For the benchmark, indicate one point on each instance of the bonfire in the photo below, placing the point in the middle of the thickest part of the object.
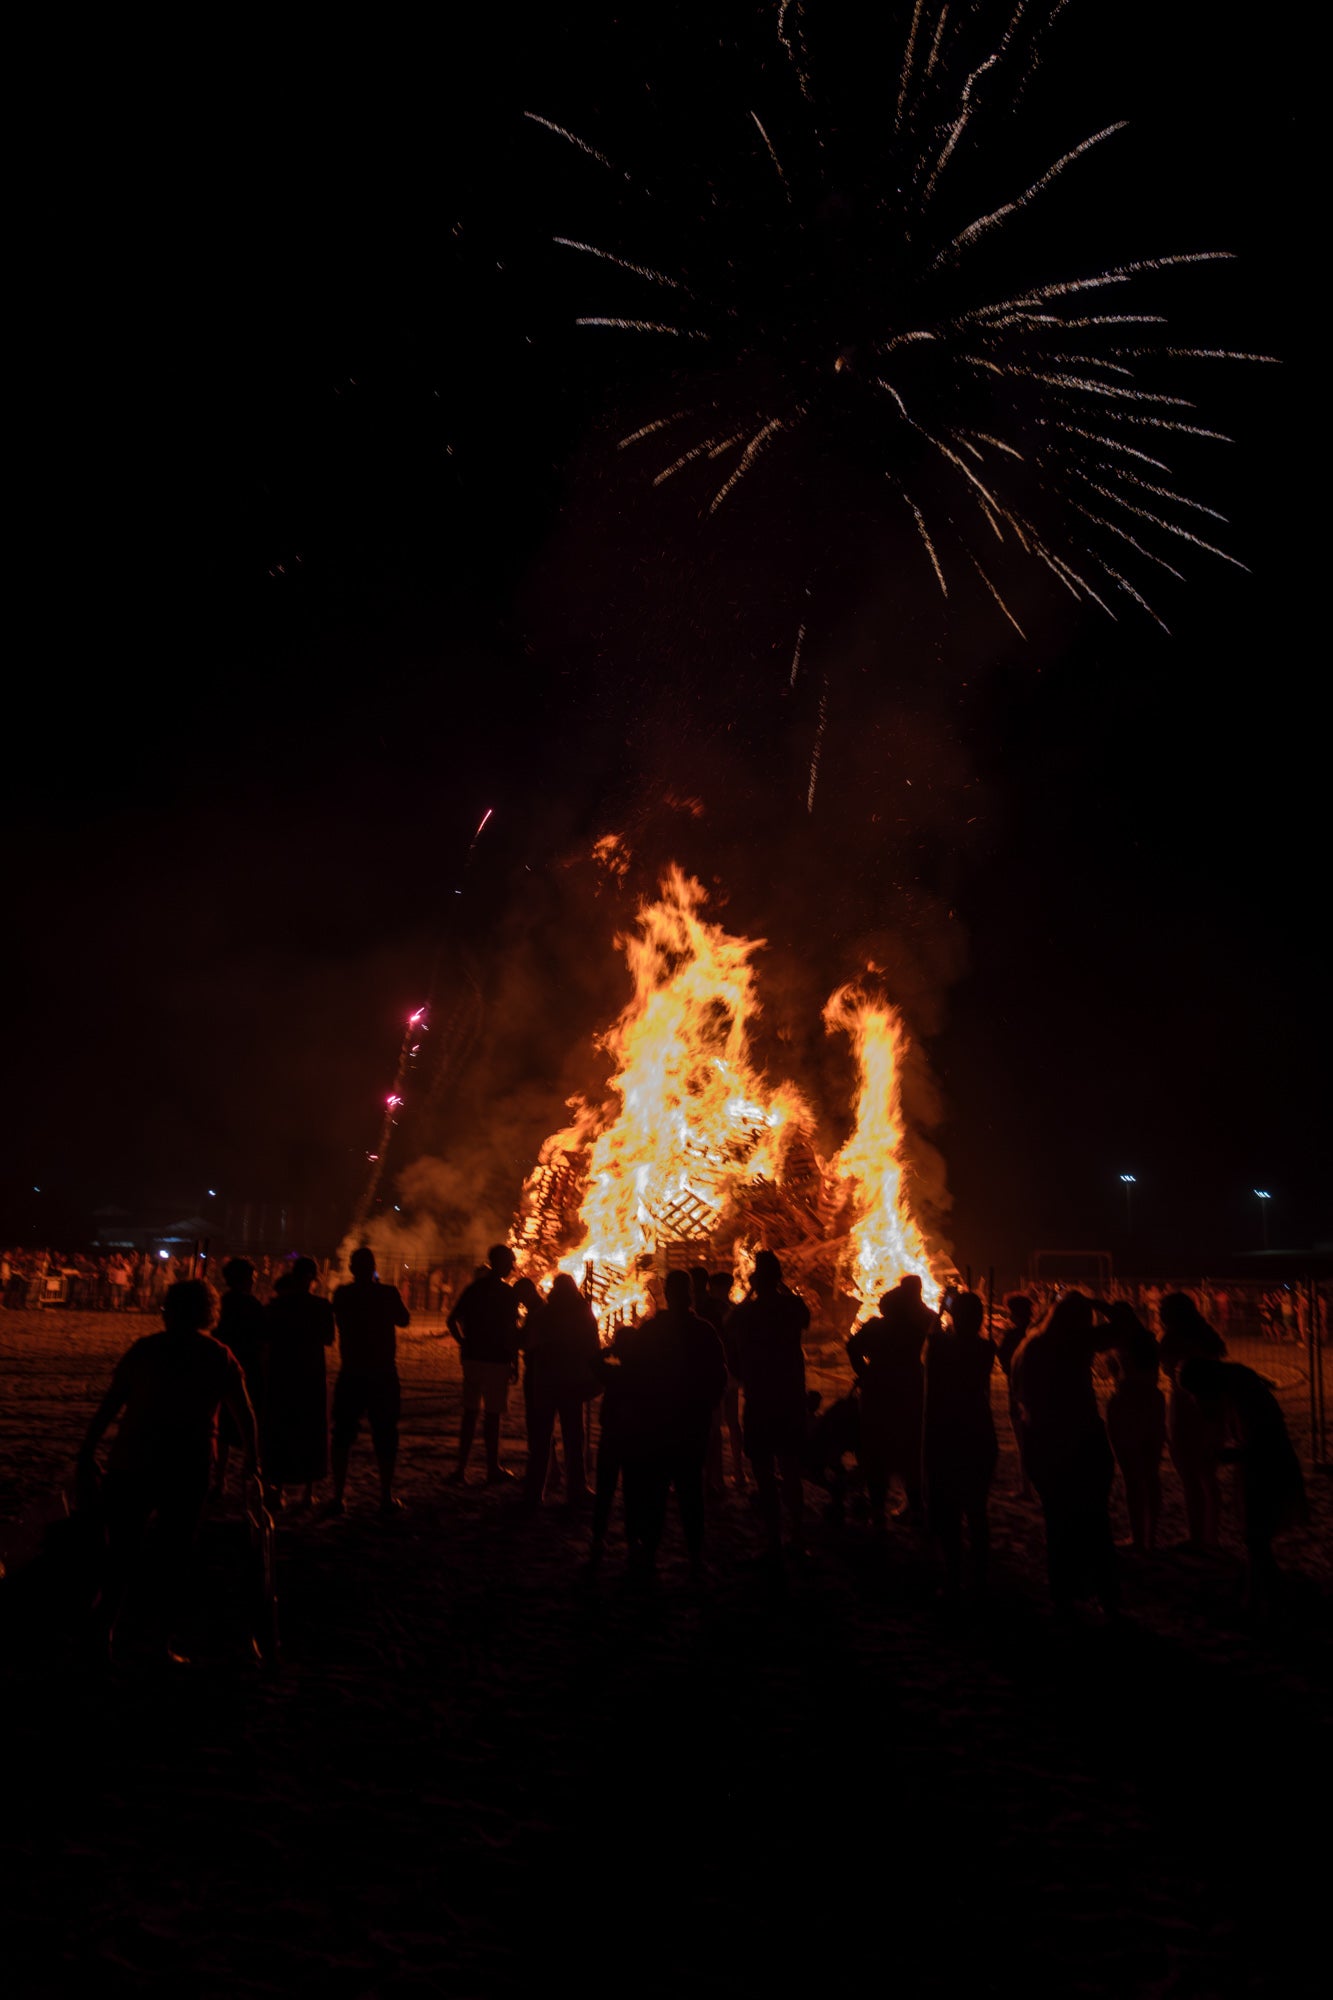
(694, 1156)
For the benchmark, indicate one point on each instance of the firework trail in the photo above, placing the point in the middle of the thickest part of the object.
(997, 407)
(417, 1026)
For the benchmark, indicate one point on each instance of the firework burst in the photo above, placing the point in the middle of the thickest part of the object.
(853, 306)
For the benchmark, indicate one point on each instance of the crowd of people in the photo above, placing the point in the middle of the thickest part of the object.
(700, 1381)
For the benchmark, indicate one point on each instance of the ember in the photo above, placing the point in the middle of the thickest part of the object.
(695, 1156)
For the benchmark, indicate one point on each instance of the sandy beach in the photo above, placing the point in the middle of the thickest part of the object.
(479, 1770)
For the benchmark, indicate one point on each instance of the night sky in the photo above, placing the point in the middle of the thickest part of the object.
(329, 550)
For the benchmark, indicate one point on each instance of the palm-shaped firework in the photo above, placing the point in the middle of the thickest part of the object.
(857, 311)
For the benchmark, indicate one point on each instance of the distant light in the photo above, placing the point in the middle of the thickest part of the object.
(212, 1192)
(36, 1190)
(1263, 1194)
(1130, 1180)
(162, 1254)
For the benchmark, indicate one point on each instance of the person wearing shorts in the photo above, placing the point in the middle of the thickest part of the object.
(484, 1322)
(368, 1315)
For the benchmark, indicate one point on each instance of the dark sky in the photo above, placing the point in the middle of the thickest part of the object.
(327, 550)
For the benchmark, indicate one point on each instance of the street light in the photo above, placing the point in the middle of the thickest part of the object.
(1263, 1197)
(1129, 1182)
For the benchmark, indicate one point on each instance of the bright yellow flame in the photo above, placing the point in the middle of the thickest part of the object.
(689, 1124)
(690, 1116)
(885, 1242)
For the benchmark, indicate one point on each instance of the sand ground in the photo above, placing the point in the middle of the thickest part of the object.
(479, 1772)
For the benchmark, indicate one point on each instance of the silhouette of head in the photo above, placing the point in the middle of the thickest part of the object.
(719, 1285)
(563, 1289)
(187, 1306)
(909, 1282)
(1185, 1331)
(500, 1258)
(699, 1280)
(361, 1263)
(678, 1290)
(1070, 1317)
(1202, 1378)
(526, 1293)
(238, 1274)
(303, 1274)
(767, 1273)
(1019, 1309)
(966, 1313)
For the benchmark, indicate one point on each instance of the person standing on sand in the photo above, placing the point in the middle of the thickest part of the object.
(368, 1315)
(298, 1327)
(887, 1359)
(1068, 1458)
(166, 1389)
(241, 1328)
(765, 1336)
(561, 1348)
(958, 1448)
(484, 1322)
(1272, 1489)
(1020, 1310)
(1194, 1436)
(674, 1375)
(1136, 1422)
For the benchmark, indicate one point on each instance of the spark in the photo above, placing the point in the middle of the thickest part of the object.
(622, 263)
(1160, 521)
(747, 459)
(641, 326)
(796, 656)
(819, 744)
(998, 599)
(905, 79)
(772, 153)
(924, 533)
(573, 139)
(709, 445)
(966, 237)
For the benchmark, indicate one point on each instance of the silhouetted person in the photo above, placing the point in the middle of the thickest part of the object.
(1136, 1421)
(958, 1448)
(764, 1334)
(241, 1328)
(1272, 1490)
(1019, 1309)
(1068, 1458)
(1194, 1436)
(484, 1322)
(674, 1372)
(368, 1315)
(886, 1356)
(561, 1348)
(298, 1327)
(609, 1374)
(168, 1387)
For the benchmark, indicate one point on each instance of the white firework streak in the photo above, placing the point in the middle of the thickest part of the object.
(573, 139)
(747, 459)
(1159, 521)
(623, 264)
(1162, 492)
(889, 390)
(996, 595)
(784, 8)
(1108, 389)
(658, 424)
(697, 451)
(906, 76)
(1123, 534)
(796, 656)
(772, 153)
(934, 55)
(1112, 444)
(819, 742)
(968, 236)
(1120, 275)
(957, 129)
(1129, 590)
(929, 545)
(642, 326)
(999, 443)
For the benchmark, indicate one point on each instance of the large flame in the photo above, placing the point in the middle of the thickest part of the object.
(885, 1242)
(690, 1146)
(690, 1117)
